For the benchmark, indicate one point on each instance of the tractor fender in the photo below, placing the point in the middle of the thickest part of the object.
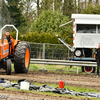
(15, 42)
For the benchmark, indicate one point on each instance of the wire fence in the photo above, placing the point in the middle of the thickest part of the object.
(50, 51)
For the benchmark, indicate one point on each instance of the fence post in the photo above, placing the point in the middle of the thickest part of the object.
(93, 50)
(77, 69)
(43, 55)
(68, 53)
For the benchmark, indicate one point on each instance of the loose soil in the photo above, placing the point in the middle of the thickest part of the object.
(80, 80)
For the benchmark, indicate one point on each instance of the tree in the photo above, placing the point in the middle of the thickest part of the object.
(97, 2)
(38, 8)
(6, 19)
(68, 8)
(92, 9)
(79, 10)
(46, 4)
(29, 13)
(15, 12)
(50, 21)
(75, 2)
(90, 1)
(57, 4)
(0, 14)
(85, 3)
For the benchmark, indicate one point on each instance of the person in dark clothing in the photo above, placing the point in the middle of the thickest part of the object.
(97, 57)
(9, 38)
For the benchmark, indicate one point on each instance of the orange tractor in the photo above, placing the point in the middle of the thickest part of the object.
(19, 54)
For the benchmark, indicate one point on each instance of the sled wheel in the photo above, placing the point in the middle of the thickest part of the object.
(78, 52)
(89, 69)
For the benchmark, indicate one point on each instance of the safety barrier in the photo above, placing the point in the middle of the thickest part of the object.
(63, 62)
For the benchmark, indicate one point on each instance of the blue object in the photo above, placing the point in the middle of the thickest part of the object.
(82, 59)
(0, 81)
(4, 59)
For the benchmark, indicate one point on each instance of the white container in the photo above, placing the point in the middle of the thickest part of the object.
(24, 86)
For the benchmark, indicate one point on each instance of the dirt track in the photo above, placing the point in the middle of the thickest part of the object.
(80, 80)
(18, 95)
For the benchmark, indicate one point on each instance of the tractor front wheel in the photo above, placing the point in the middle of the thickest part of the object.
(8, 67)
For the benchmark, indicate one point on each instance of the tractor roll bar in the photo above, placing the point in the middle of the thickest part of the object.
(10, 26)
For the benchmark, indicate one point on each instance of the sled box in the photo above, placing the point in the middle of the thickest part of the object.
(86, 30)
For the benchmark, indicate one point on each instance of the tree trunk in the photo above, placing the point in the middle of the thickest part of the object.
(53, 5)
(90, 1)
(75, 5)
(2, 8)
(82, 6)
(62, 6)
(97, 2)
(75, 2)
(85, 3)
(38, 8)
(78, 6)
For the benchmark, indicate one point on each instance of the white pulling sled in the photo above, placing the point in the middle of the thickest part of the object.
(86, 36)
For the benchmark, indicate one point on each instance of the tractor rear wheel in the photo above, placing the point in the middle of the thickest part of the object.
(9, 67)
(22, 57)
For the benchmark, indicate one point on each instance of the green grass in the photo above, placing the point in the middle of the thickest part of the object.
(44, 93)
(12, 66)
(56, 68)
(76, 89)
(33, 67)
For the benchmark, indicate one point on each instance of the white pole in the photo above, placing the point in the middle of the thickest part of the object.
(43, 55)
(53, 5)
(77, 69)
